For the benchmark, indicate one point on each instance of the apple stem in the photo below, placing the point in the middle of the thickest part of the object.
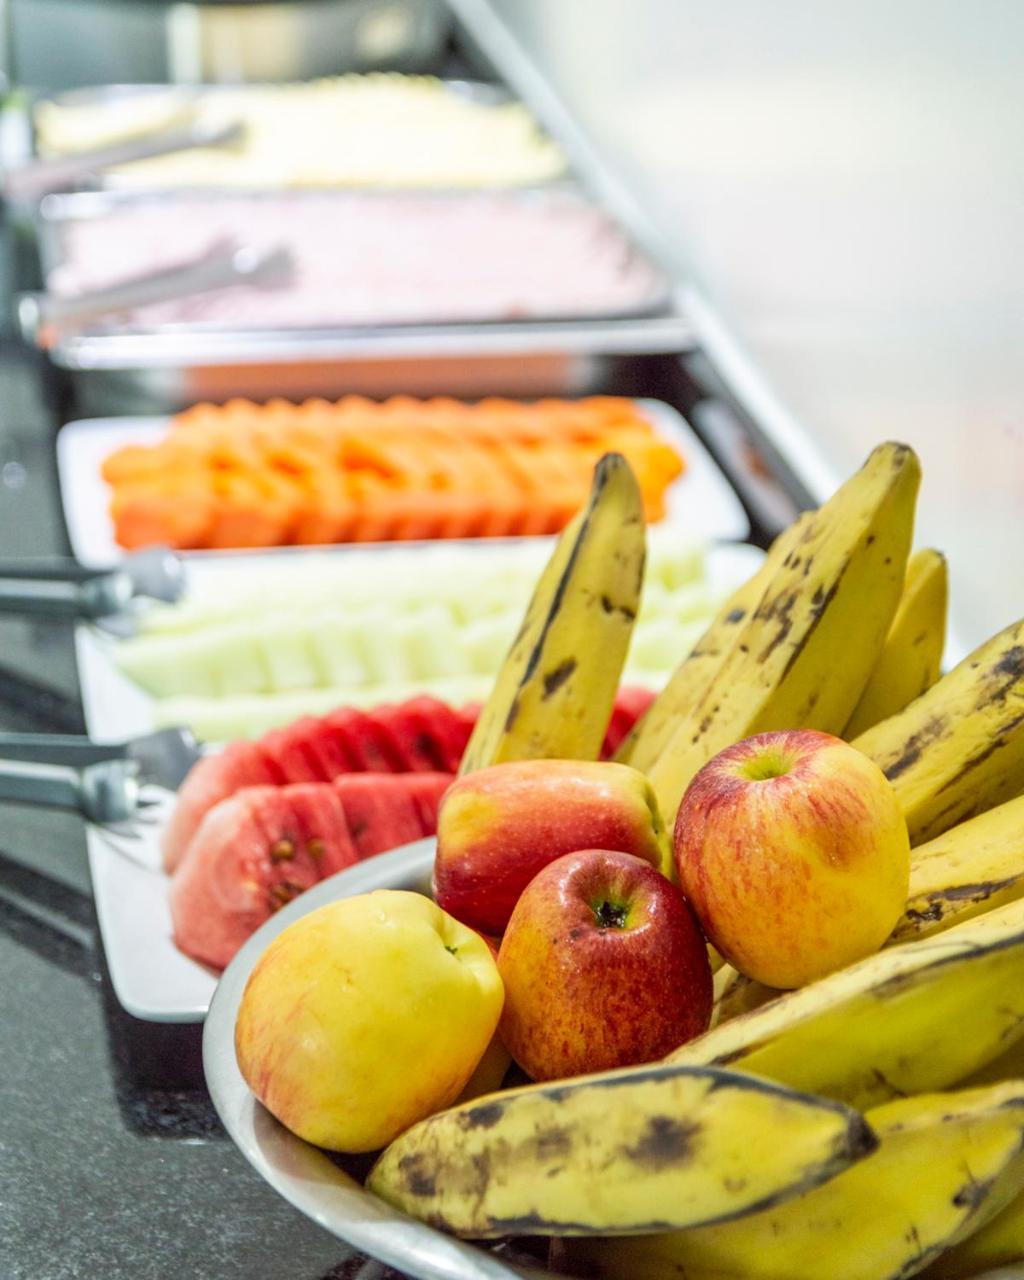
(610, 915)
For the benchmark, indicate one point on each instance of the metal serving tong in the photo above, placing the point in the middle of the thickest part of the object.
(44, 316)
(63, 588)
(111, 784)
(37, 178)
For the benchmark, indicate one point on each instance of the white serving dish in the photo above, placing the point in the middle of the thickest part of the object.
(304, 1175)
(152, 979)
(701, 500)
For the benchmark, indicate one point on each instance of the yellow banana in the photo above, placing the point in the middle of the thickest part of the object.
(959, 748)
(649, 736)
(803, 657)
(553, 695)
(911, 659)
(645, 1149)
(945, 1165)
(735, 993)
(964, 872)
(999, 1243)
(906, 1020)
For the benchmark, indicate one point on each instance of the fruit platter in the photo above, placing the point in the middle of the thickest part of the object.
(244, 475)
(744, 999)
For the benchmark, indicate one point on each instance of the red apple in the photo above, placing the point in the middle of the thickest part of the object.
(793, 851)
(604, 966)
(497, 827)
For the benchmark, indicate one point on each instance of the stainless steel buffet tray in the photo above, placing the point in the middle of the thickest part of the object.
(168, 367)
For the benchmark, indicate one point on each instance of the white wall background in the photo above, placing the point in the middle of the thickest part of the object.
(847, 181)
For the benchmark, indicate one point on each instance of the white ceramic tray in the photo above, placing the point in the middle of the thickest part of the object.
(304, 1175)
(153, 980)
(701, 499)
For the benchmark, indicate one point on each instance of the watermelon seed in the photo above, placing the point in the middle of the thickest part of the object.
(315, 848)
(283, 851)
(281, 894)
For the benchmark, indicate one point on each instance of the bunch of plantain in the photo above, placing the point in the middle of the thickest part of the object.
(974, 867)
(999, 1242)
(945, 1165)
(554, 693)
(652, 732)
(804, 655)
(911, 659)
(957, 750)
(909, 1019)
(637, 1150)
(745, 1153)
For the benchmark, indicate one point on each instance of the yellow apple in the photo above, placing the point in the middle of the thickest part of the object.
(365, 1016)
(792, 849)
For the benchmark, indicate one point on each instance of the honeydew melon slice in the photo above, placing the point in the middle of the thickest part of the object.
(336, 651)
(285, 648)
(674, 558)
(431, 643)
(211, 663)
(487, 640)
(381, 655)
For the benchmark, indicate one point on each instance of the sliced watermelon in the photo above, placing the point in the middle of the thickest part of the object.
(251, 854)
(403, 726)
(630, 705)
(290, 749)
(426, 790)
(210, 780)
(412, 724)
(369, 750)
(447, 730)
(329, 747)
(381, 811)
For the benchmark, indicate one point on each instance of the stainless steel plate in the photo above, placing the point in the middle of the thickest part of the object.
(304, 1175)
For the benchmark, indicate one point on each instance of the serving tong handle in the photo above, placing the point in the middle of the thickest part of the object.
(99, 596)
(37, 178)
(107, 792)
(63, 588)
(59, 748)
(43, 315)
(163, 757)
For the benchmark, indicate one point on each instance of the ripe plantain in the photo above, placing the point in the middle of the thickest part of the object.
(971, 869)
(643, 1149)
(909, 1019)
(652, 732)
(911, 659)
(735, 993)
(958, 750)
(803, 657)
(998, 1243)
(553, 695)
(945, 1165)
